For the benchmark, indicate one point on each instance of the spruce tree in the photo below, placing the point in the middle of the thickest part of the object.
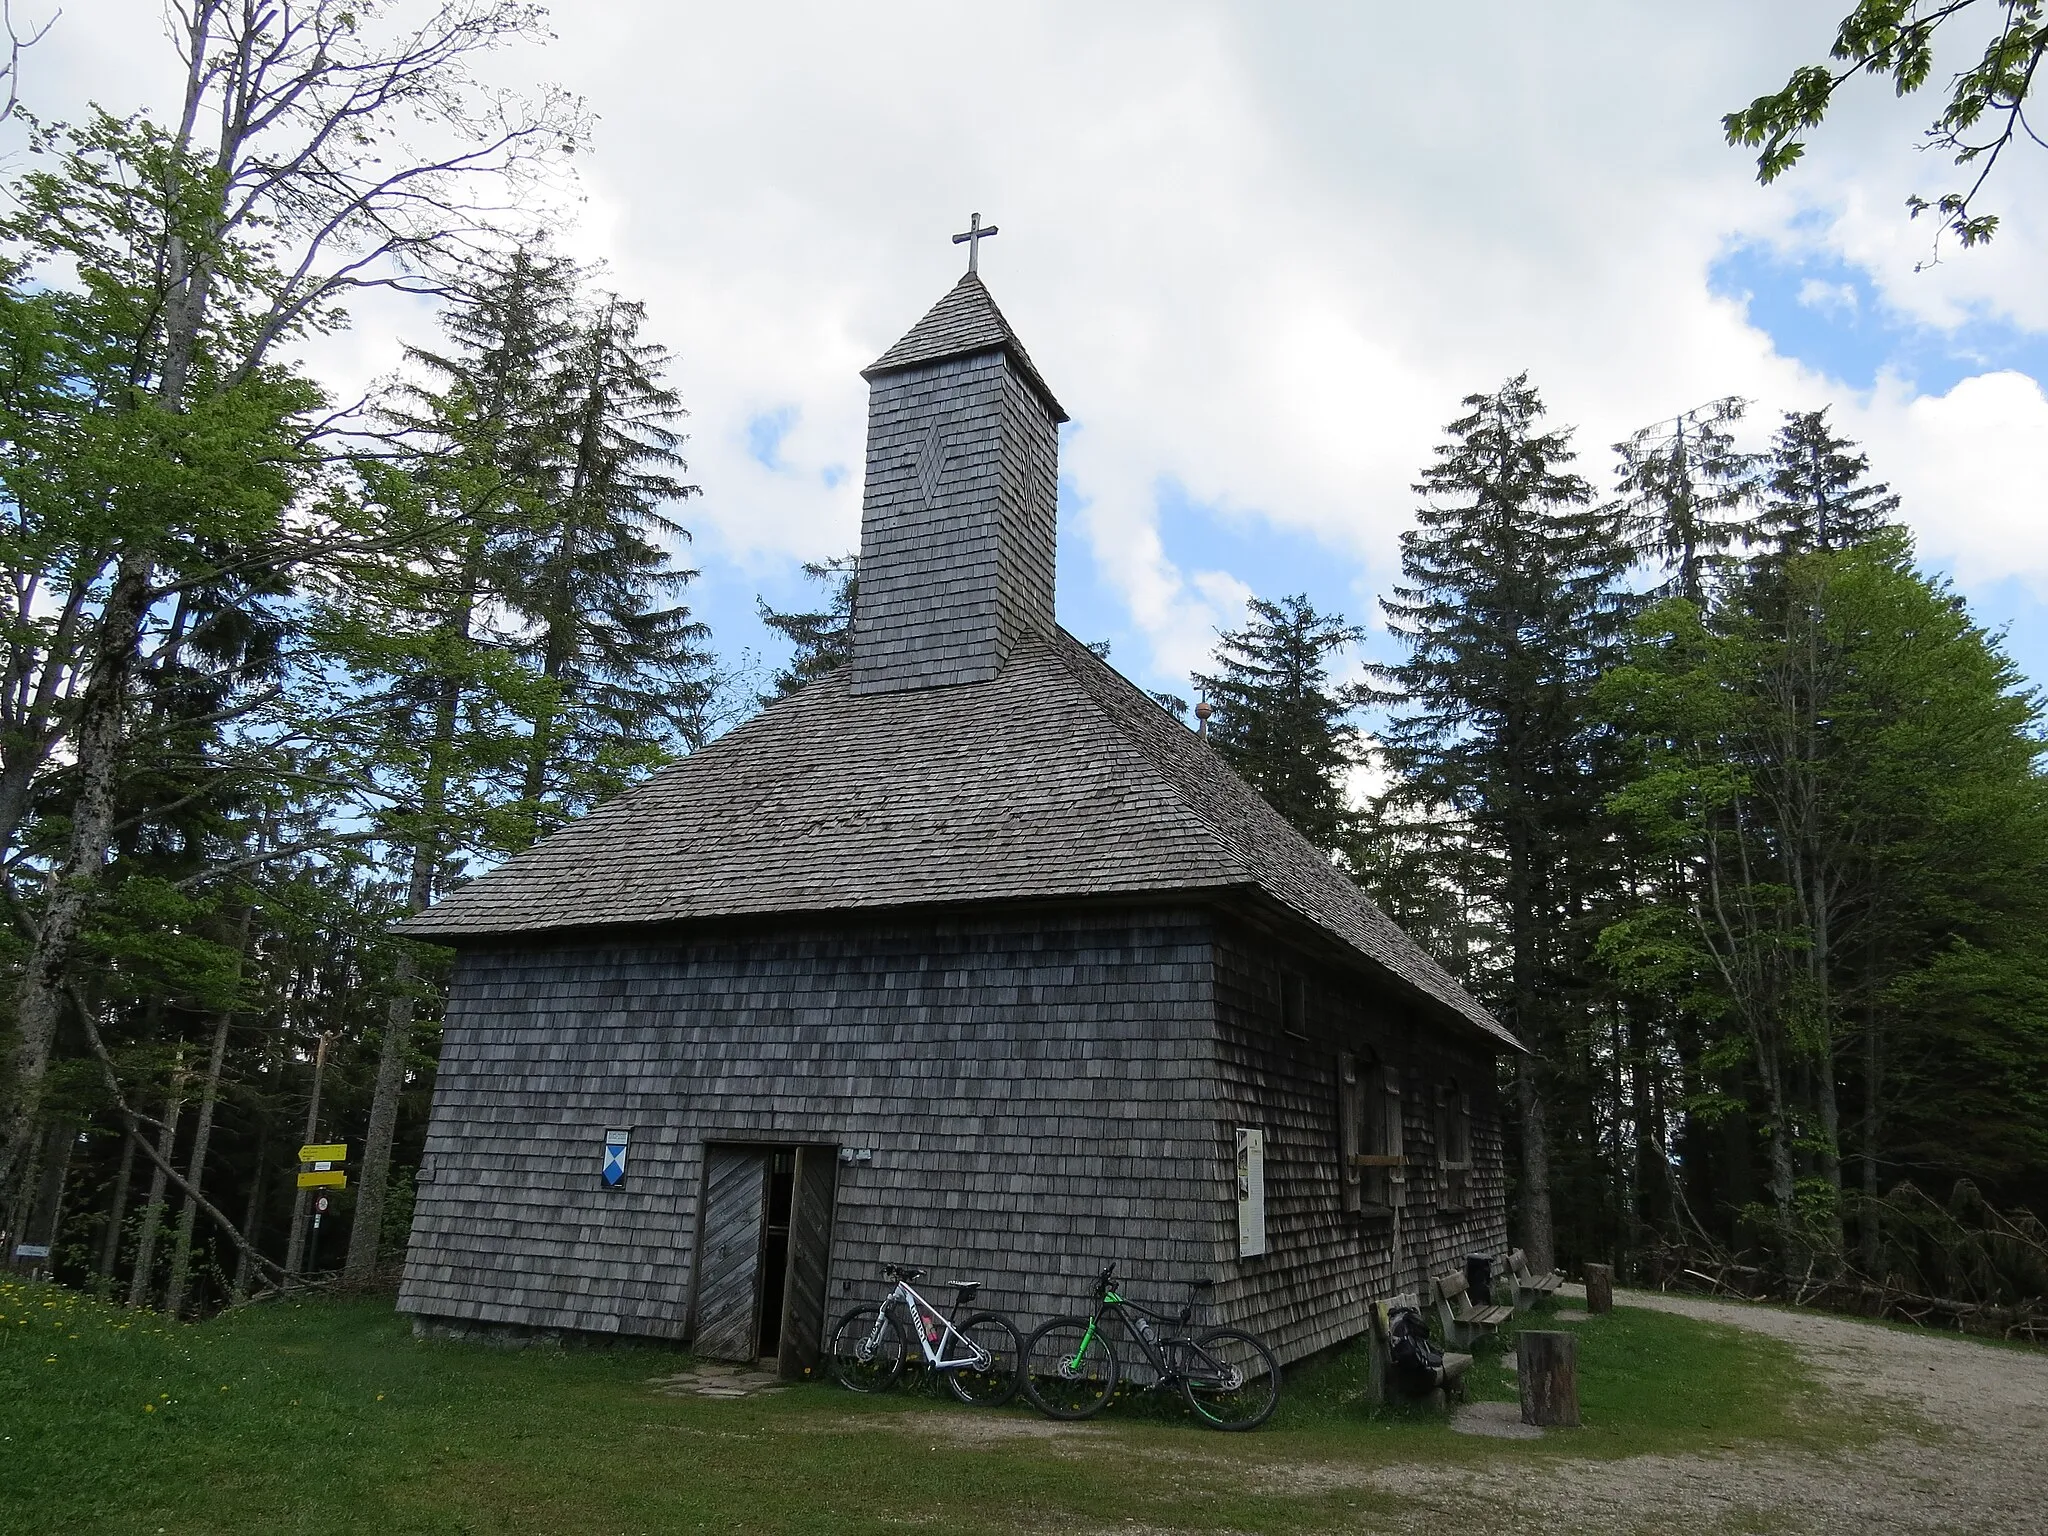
(623, 673)
(1816, 498)
(823, 637)
(1681, 483)
(1510, 606)
(1279, 720)
(426, 631)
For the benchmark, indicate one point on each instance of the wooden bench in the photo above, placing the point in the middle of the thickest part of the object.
(1381, 1383)
(1530, 1289)
(1462, 1321)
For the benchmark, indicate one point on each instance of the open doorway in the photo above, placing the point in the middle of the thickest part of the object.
(764, 1246)
(775, 1253)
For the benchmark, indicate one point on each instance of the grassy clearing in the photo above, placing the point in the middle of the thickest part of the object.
(327, 1416)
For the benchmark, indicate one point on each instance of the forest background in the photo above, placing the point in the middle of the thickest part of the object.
(1731, 810)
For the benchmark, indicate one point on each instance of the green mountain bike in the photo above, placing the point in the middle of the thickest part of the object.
(1229, 1378)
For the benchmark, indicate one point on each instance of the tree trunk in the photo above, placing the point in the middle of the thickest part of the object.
(245, 1267)
(1873, 1079)
(195, 1171)
(40, 999)
(1537, 1233)
(41, 1207)
(1831, 1149)
(1599, 1289)
(367, 1230)
(366, 1233)
(1547, 1369)
(139, 1284)
(295, 1249)
(117, 1212)
(1784, 1175)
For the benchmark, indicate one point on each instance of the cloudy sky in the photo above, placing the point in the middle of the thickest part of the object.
(1259, 252)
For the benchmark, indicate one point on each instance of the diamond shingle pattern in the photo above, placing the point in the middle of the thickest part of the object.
(964, 322)
(1057, 778)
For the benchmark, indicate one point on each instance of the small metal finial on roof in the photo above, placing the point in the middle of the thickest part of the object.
(1203, 711)
(972, 240)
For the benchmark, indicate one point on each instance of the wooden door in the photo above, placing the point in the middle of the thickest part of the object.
(810, 1258)
(729, 1253)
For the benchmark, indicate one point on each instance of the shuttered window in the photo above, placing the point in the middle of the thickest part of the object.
(1454, 1143)
(1369, 1125)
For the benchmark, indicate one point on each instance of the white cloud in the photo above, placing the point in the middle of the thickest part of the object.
(1828, 298)
(1968, 465)
(1259, 252)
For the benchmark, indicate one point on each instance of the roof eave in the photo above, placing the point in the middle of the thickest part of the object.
(1016, 354)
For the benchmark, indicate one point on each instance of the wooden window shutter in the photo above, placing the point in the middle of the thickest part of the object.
(1395, 1141)
(1350, 1130)
(1454, 1143)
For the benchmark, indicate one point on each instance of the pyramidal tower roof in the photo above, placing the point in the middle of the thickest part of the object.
(965, 323)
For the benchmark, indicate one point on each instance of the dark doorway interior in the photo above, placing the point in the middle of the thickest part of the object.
(764, 1247)
(775, 1251)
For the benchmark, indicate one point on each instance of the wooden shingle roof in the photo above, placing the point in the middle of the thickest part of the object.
(964, 323)
(1058, 778)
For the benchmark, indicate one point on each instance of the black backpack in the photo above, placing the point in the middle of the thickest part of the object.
(1416, 1361)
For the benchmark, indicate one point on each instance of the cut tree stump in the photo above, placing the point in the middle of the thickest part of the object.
(1599, 1288)
(1548, 1367)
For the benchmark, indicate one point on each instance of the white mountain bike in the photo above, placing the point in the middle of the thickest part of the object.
(978, 1355)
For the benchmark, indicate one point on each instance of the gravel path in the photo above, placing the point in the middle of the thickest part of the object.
(1965, 1449)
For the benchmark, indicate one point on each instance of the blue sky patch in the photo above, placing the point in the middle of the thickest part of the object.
(1824, 312)
(765, 433)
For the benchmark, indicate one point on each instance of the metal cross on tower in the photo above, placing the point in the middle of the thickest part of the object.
(972, 240)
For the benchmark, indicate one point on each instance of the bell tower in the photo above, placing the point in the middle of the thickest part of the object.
(958, 521)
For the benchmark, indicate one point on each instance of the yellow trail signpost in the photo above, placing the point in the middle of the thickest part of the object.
(319, 1171)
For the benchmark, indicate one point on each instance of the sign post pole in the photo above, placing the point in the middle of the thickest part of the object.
(320, 1168)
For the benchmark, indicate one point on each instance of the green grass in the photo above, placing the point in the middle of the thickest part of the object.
(326, 1415)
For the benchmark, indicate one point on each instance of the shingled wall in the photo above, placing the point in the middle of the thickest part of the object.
(1324, 1264)
(1038, 1091)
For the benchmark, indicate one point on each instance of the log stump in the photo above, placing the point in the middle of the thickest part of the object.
(1548, 1367)
(1599, 1288)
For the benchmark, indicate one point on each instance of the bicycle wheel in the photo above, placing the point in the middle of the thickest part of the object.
(1230, 1379)
(863, 1360)
(1061, 1377)
(997, 1383)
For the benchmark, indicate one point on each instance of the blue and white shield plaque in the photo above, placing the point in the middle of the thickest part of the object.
(615, 1158)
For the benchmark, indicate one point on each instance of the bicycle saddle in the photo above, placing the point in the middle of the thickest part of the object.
(964, 1287)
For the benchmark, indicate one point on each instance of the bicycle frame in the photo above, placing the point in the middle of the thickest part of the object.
(923, 1315)
(1162, 1354)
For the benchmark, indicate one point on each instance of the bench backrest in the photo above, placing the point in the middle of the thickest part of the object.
(1518, 1261)
(1451, 1287)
